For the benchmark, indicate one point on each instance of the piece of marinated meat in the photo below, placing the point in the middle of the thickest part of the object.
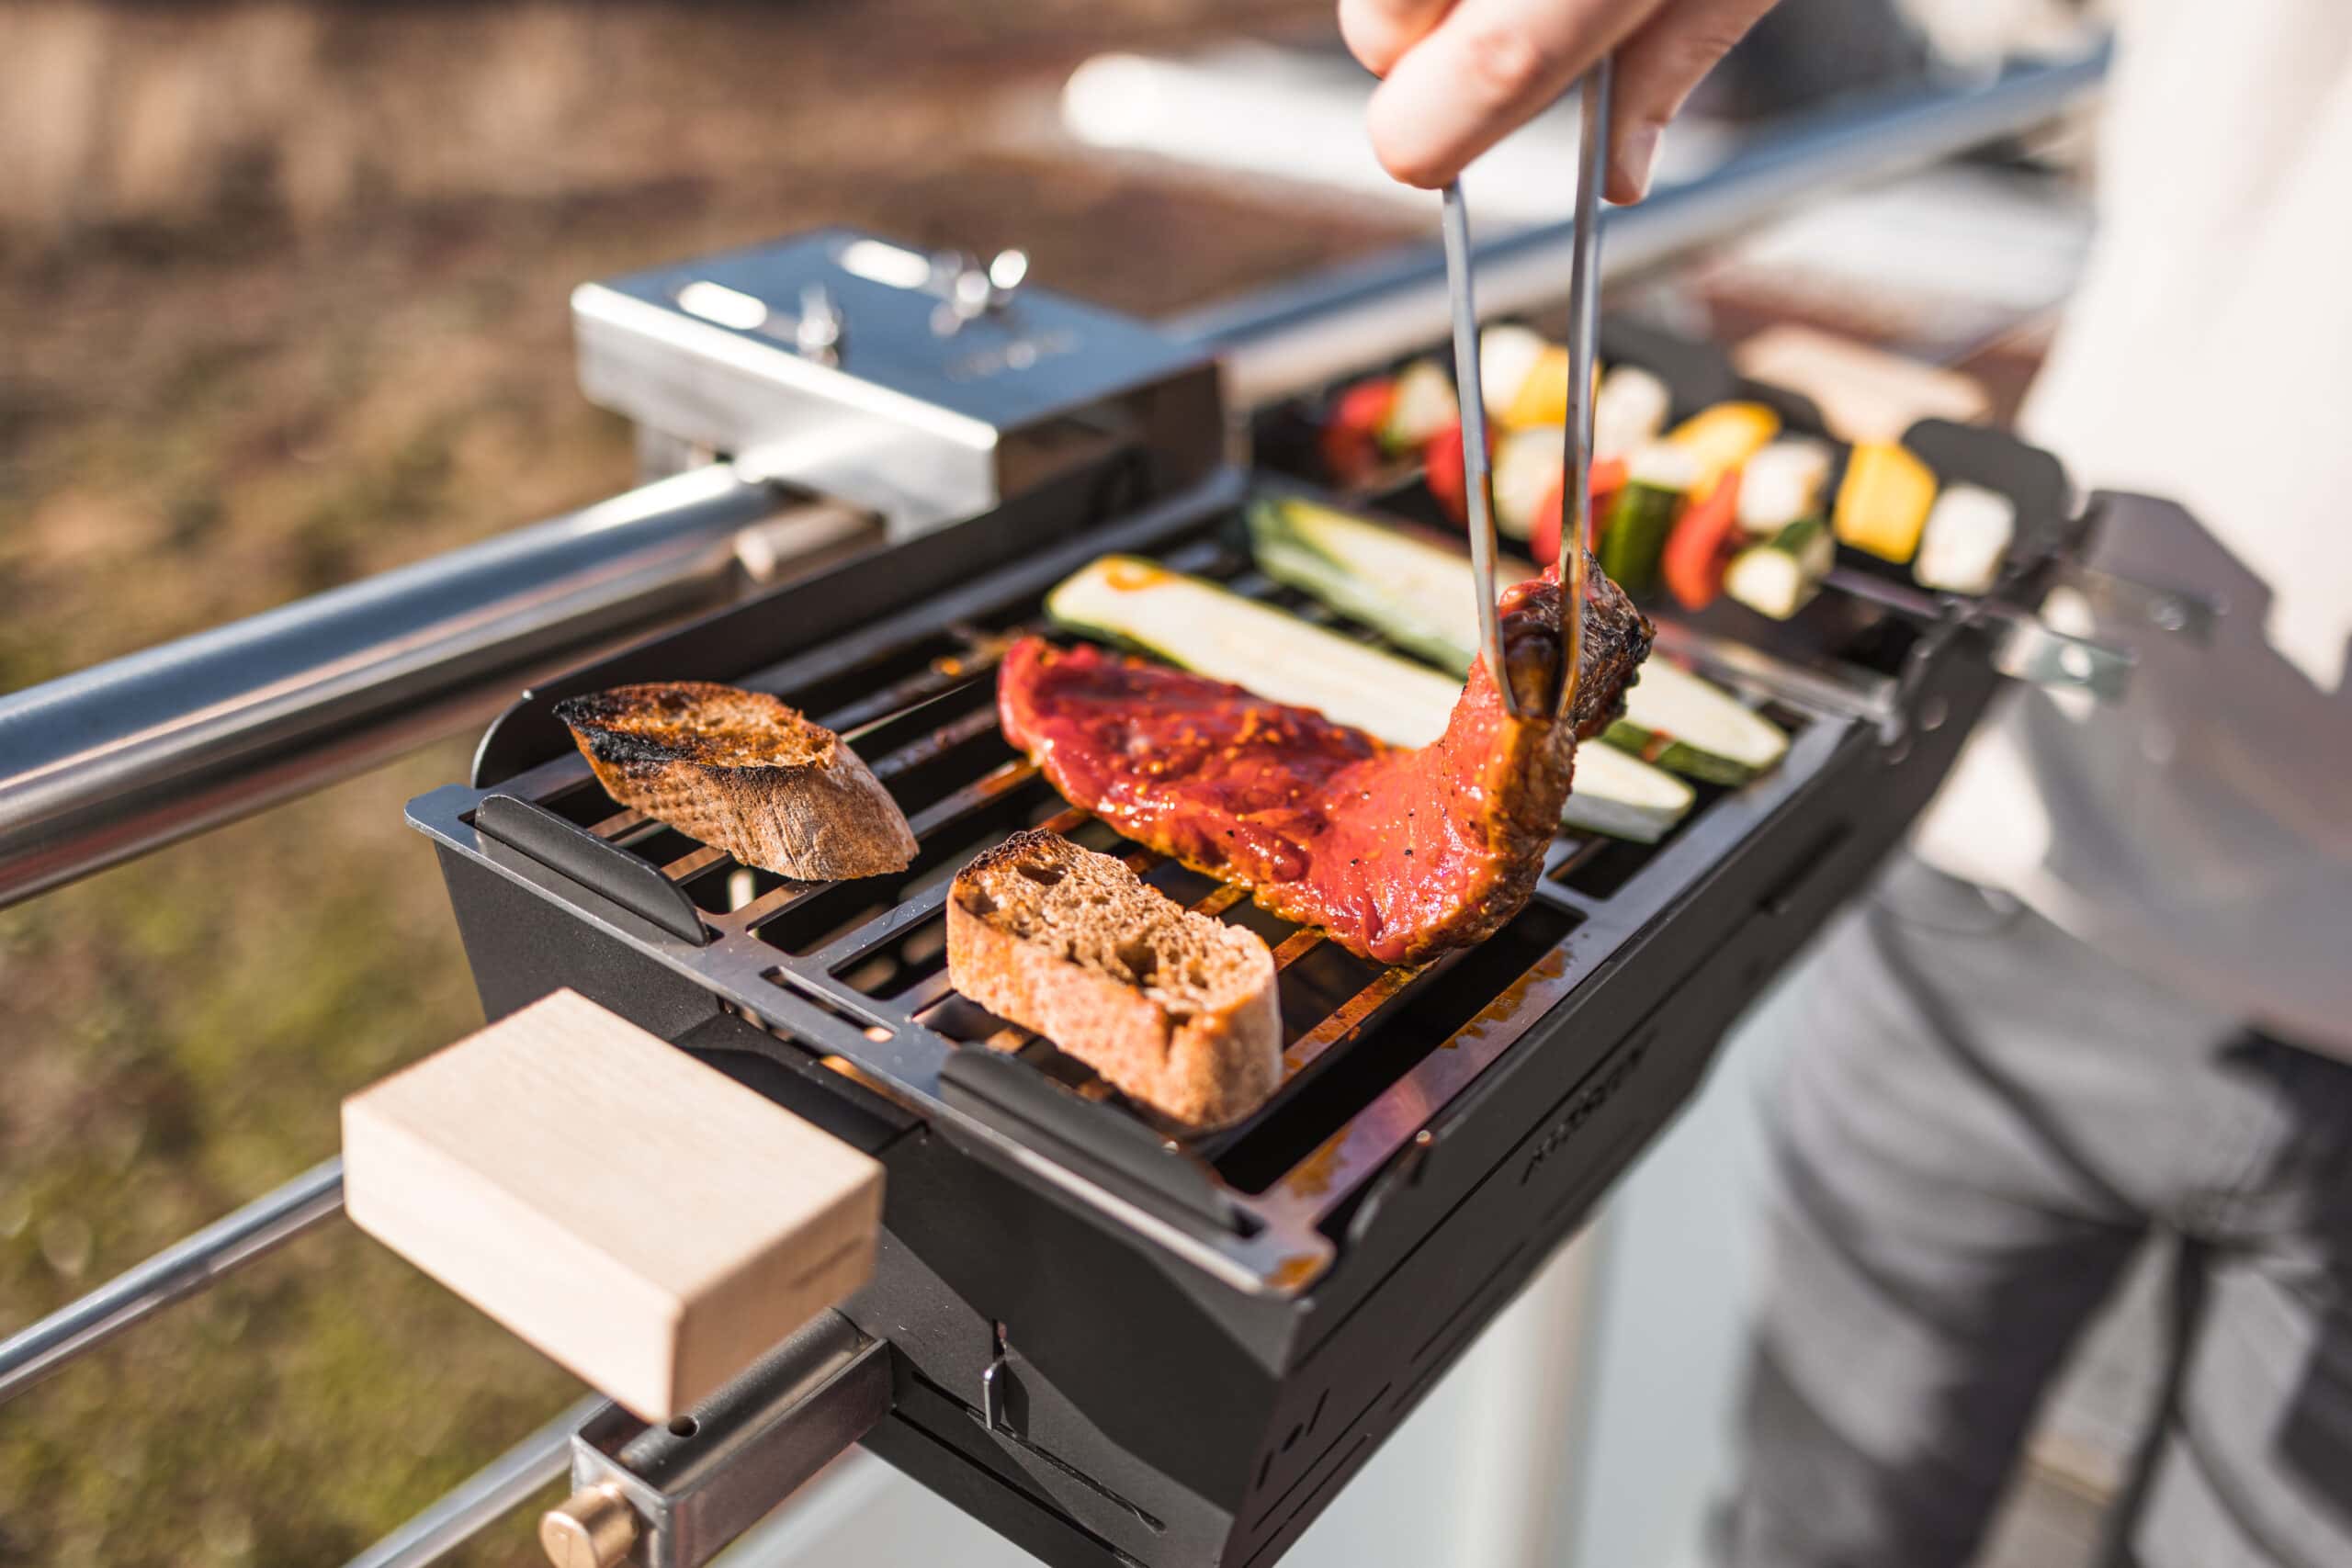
(1397, 854)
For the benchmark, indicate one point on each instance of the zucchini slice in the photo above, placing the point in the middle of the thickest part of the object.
(1780, 577)
(1691, 727)
(1204, 627)
(1412, 591)
(1618, 794)
(1418, 596)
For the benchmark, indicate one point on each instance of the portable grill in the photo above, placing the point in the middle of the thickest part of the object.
(1108, 1341)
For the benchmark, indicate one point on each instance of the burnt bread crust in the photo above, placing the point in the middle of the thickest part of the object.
(694, 721)
(745, 772)
(1176, 1010)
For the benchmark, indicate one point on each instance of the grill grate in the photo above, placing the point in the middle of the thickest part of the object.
(857, 969)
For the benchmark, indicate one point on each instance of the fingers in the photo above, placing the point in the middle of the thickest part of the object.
(1378, 32)
(1656, 68)
(1486, 69)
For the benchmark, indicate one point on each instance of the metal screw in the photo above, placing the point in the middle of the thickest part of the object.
(593, 1528)
(818, 333)
(1005, 275)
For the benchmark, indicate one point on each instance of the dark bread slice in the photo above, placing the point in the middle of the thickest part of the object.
(741, 770)
(1175, 1009)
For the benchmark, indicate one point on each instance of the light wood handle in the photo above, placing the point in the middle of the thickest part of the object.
(636, 1216)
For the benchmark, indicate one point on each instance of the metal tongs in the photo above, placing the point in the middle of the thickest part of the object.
(1584, 315)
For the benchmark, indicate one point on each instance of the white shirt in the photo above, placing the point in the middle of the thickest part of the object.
(2203, 829)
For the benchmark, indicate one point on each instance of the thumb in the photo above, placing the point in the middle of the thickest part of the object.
(1656, 68)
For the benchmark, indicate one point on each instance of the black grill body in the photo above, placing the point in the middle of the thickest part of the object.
(1109, 1346)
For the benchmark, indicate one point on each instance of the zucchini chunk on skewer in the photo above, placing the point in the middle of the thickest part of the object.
(1780, 577)
(1658, 479)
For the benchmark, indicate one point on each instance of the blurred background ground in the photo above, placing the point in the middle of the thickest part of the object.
(282, 301)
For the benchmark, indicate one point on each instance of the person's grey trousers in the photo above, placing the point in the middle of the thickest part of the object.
(1983, 1124)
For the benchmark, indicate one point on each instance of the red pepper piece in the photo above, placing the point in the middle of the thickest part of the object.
(1351, 437)
(1700, 547)
(1441, 467)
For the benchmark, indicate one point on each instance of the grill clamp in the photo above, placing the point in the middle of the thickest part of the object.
(925, 389)
(675, 1495)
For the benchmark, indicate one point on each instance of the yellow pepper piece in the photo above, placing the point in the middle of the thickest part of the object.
(1884, 501)
(1543, 396)
(1725, 436)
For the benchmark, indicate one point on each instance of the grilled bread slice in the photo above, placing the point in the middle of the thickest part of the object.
(741, 770)
(1173, 1009)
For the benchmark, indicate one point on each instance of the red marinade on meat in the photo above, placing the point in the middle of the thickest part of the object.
(1397, 854)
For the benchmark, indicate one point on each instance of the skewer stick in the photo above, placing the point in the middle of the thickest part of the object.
(1584, 319)
(1454, 224)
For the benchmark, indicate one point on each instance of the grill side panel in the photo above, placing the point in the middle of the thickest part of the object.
(521, 947)
(1135, 1391)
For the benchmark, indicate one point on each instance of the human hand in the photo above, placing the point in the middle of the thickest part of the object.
(1460, 74)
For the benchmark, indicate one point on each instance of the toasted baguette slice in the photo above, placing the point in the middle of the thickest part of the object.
(741, 770)
(1175, 1009)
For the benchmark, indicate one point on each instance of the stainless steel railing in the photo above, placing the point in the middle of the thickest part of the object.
(131, 755)
(105, 765)
(179, 1271)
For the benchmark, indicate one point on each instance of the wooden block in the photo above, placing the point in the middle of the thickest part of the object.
(1864, 393)
(640, 1218)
